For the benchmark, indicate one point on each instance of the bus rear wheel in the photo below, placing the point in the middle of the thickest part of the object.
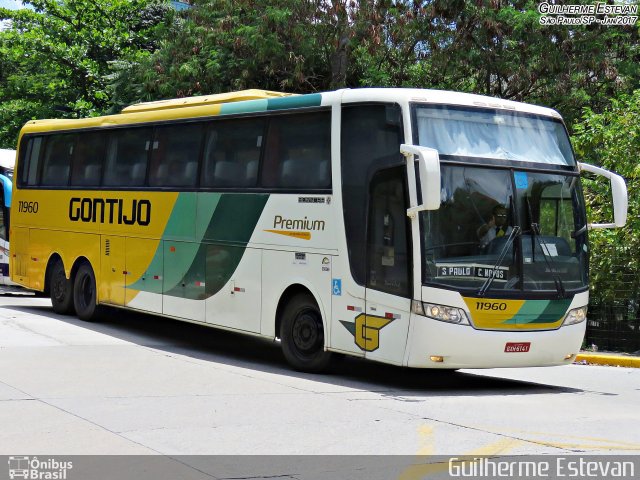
(84, 293)
(60, 289)
(302, 335)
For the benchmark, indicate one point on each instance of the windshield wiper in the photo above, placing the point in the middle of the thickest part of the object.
(535, 234)
(487, 283)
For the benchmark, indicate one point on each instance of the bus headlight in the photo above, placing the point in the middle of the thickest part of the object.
(576, 315)
(440, 312)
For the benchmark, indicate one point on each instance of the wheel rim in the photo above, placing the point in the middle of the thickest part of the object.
(85, 291)
(59, 286)
(307, 332)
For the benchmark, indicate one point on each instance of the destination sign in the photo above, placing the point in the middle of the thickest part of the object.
(472, 271)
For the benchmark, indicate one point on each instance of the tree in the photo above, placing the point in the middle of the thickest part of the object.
(611, 139)
(223, 45)
(56, 57)
(492, 47)
(499, 48)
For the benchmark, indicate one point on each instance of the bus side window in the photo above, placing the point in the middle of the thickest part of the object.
(174, 160)
(127, 155)
(298, 154)
(57, 159)
(87, 159)
(30, 162)
(232, 153)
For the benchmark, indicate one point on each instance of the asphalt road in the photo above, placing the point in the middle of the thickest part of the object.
(138, 384)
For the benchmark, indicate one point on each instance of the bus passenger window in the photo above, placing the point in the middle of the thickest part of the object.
(29, 166)
(57, 159)
(127, 154)
(87, 160)
(174, 161)
(232, 153)
(298, 154)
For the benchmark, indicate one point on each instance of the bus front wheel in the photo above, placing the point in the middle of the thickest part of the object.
(60, 289)
(302, 335)
(84, 293)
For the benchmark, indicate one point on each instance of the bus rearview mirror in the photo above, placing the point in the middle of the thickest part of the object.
(618, 191)
(429, 175)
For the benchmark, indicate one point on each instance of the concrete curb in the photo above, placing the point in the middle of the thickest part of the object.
(612, 360)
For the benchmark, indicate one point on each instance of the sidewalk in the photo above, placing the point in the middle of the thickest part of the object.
(608, 358)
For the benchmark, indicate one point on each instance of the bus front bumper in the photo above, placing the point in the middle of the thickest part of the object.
(435, 344)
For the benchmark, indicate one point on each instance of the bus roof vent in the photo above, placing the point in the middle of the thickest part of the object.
(204, 100)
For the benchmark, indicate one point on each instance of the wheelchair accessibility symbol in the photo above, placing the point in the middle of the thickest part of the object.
(336, 287)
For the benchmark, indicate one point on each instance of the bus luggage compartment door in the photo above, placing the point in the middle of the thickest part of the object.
(184, 280)
(144, 281)
(19, 251)
(112, 270)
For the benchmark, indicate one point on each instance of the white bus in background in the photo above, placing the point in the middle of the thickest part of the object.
(7, 163)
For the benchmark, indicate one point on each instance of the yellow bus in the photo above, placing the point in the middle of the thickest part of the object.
(412, 227)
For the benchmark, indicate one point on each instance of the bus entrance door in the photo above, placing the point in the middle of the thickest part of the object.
(386, 323)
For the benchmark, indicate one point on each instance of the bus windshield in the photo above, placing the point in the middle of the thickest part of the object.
(495, 134)
(526, 230)
(498, 227)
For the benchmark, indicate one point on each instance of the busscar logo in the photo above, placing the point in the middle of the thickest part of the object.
(110, 210)
(300, 228)
(37, 469)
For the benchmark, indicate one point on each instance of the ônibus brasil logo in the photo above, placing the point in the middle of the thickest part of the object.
(37, 469)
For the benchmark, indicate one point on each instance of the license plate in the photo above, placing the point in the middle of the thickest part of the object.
(513, 347)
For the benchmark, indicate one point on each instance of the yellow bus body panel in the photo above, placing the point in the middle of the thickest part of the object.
(52, 226)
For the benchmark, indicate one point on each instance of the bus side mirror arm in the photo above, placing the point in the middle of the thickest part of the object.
(619, 193)
(429, 176)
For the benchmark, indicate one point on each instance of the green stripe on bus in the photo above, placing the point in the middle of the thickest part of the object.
(223, 245)
(235, 218)
(247, 106)
(179, 231)
(300, 101)
(554, 311)
(540, 311)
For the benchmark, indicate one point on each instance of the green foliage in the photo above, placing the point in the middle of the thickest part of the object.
(55, 59)
(499, 48)
(611, 139)
(492, 47)
(226, 45)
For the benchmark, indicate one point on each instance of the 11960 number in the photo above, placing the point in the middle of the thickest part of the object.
(496, 306)
(28, 207)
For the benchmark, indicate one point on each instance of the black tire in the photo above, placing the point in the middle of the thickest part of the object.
(84, 293)
(302, 335)
(60, 289)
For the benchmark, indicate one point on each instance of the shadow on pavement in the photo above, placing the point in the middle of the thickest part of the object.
(245, 351)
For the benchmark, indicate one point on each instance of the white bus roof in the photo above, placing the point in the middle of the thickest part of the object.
(248, 101)
(7, 158)
(442, 97)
